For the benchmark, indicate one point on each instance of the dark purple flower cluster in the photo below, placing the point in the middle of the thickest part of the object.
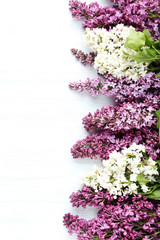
(127, 218)
(88, 197)
(139, 14)
(121, 90)
(123, 117)
(103, 143)
(85, 58)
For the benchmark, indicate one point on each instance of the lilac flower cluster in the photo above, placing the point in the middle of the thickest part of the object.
(135, 218)
(86, 59)
(103, 143)
(139, 14)
(123, 117)
(88, 197)
(121, 90)
(93, 86)
(132, 120)
(128, 90)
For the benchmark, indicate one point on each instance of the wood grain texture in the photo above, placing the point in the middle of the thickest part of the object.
(40, 118)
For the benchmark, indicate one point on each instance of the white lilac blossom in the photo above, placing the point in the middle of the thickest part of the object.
(109, 46)
(124, 173)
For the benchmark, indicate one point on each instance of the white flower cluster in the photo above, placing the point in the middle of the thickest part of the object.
(110, 58)
(121, 172)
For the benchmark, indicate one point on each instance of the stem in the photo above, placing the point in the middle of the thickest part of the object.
(155, 233)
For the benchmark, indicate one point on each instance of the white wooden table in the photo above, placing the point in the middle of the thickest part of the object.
(40, 118)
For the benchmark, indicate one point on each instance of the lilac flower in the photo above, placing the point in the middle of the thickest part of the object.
(133, 218)
(109, 46)
(88, 196)
(92, 86)
(127, 90)
(82, 10)
(122, 89)
(136, 13)
(116, 127)
(123, 117)
(86, 59)
(103, 143)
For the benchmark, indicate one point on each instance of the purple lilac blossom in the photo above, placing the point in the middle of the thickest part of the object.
(88, 197)
(93, 86)
(123, 117)
(103, 143)
(133, 120)
(136, 218)
(85, 58)
(121, 89)
(135, 13)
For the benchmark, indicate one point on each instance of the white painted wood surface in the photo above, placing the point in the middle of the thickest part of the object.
(40, 118)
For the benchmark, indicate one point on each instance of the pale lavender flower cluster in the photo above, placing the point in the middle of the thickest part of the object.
(123, 117)
(127, 218)
(121, 89)
(85, 58)
(139, 14)
(127, 90)
(103, 143)
(93, 86)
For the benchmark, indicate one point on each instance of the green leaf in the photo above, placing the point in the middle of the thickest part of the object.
(148, 35)
(156, 46)
(142, 180)
(135, 40)
(152, 189)
(158, 162)
(146, 55)
(150, 54)
(158, 121)
(158, 118)
(140, 57)
(158, 75)
(158, 41)
(149, 41)
(157, 50)
(154, 195)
